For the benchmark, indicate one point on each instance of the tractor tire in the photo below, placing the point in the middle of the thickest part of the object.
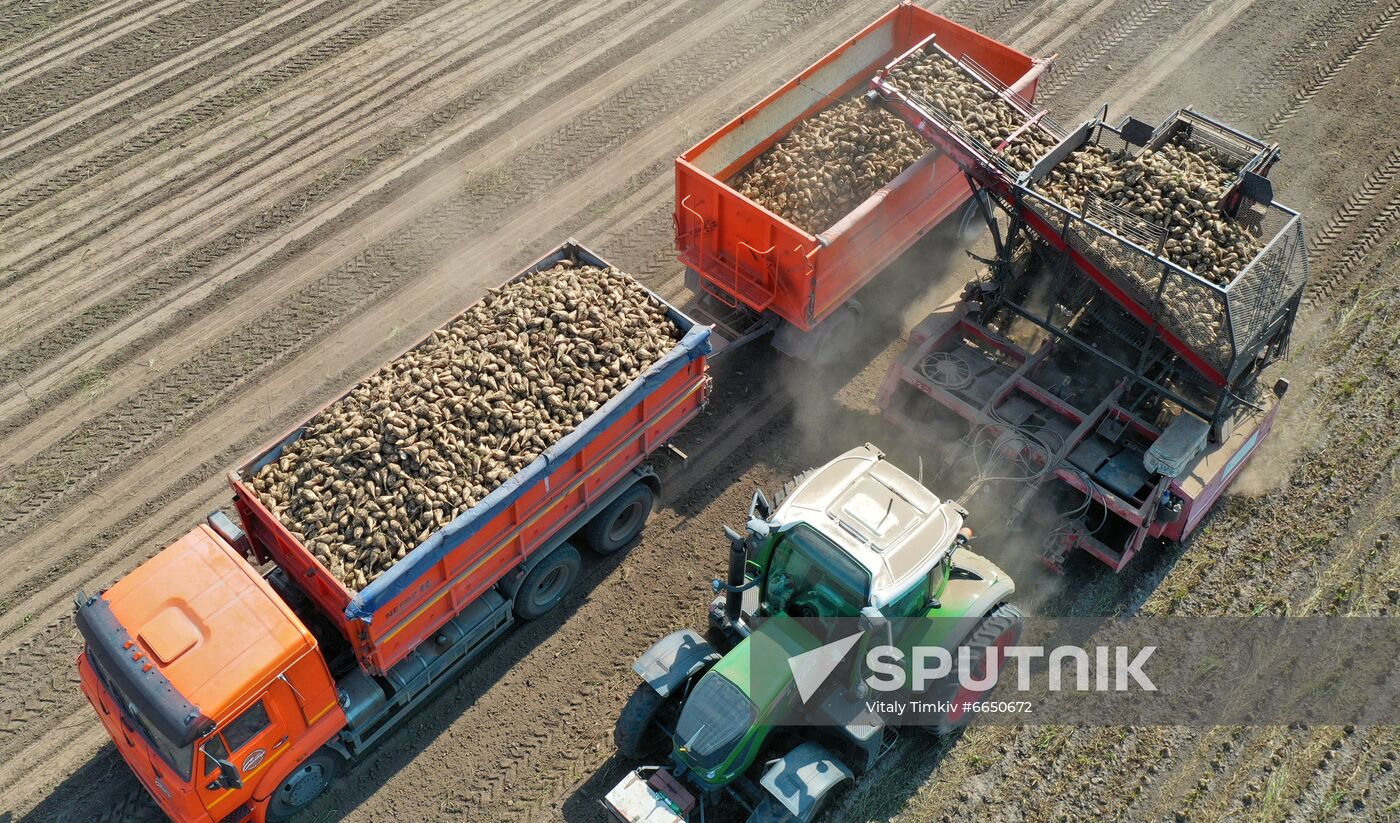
(308, 781)
(637, 733)
(1000, 627)
(770, 810)
(615, 527)
(789, 487)
(547, 583)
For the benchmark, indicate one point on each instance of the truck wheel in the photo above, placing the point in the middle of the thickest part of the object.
(616, 526)
(306, 783)
(548, 582)
(836, 336)
(637, 734)
(1001, 627)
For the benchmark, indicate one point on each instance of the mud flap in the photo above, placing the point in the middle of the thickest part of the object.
(673, 659)
(804, 776)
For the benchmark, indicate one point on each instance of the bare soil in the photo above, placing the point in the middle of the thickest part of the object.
(216, 216)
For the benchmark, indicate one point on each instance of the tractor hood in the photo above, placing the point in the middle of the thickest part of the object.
(730, 711)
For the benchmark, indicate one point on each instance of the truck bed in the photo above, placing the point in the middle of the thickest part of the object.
(469, 555)
(745, 255)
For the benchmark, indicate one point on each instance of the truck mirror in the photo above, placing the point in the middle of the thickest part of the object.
(872, 619)
(760, 508)
(228, 773)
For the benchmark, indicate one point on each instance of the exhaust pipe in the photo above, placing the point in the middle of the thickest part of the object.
(733, 593)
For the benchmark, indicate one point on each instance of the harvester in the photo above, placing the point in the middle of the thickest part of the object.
(1125, 386)
(857, 539)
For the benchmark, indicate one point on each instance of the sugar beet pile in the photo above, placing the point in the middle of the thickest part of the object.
(434, 431)
(832, 161)
(829, 163)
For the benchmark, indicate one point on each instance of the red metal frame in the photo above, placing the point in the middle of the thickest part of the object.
(1199, 488)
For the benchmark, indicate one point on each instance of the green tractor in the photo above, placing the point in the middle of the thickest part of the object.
(855, 548)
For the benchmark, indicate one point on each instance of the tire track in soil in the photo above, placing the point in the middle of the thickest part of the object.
(66, 42)
(1289, 62)
(164, 39)
(1380, 226)
(1326, 74)
(347, 287)
(176, 400)
(65, 332)
(196, 264)
(22, 18)
(206, 470)
(200, 111)
(1077, 61)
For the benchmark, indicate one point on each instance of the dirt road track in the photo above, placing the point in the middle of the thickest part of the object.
(249, 204)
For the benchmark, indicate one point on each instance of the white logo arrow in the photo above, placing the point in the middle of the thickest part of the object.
(811, 669)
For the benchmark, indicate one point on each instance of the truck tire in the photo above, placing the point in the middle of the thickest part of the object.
(836, 337)
(301, 788)
(615, 527)
(637, 734)
(770, 810)
(1000, 627)
(547, 583)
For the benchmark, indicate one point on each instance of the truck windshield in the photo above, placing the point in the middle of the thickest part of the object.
(812, 577)
(180, 758)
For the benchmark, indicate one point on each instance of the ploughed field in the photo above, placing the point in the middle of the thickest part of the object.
(216, 217)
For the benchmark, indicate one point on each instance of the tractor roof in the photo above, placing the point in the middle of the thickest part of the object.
(885, 519)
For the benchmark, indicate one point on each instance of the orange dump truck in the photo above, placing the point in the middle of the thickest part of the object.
(235, 674)
(754, 271)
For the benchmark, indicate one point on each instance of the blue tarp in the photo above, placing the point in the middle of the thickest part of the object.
(694, 343)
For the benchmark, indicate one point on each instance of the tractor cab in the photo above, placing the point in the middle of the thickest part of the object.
(871, 530)
(203, 677)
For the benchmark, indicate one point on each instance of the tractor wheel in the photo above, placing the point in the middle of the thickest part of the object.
(306, 783)
(637, 734)
(770, 810)
(615, 527)
(1001, 627)
(548, 582)
(789, 487)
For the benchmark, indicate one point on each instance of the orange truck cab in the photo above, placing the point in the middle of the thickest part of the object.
(194, 664)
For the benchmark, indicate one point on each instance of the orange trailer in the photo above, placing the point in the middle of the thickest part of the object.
(755, 271)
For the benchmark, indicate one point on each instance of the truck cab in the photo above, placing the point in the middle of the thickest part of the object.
(211, 688)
